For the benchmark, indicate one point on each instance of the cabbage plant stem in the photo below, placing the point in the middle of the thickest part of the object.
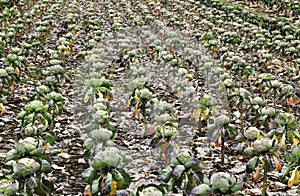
(265, 185)
(52, 119)
(222, 146)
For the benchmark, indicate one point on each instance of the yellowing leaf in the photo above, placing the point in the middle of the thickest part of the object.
(128, 102)
(179, 94)
(135, 112)
(295, 141)
(68, 52)
(197, 114)
(137, 104)
(108, 97)
(114, 185)
(100, 95)
(46, 146)
(164, 147)
(2, 109)
(280, 69)
(63, 83)
(261, 135)
(46, 36)
(282, 142)
(244, 77)
(251, 76)
(205, 114)
(294, 179)
(12, 85)
(17, 71)
(136, 60)
(87, 191)
(73, 42)
(86, 98)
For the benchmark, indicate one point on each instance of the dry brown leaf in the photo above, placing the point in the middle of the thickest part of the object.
(135, 112)
(218, 142)
(292, 101)
(108, 97)
(17, 71)
(256, 174)
(63, 83)
(278, 164)
(103, 182)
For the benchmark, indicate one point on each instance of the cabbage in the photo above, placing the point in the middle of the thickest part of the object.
(251, 133)
(26, 166)
(99, 106)
(201, 190)
(30, 130)
(88, 143)
(8, 188)
(257, 101)
(249, 151)
(101, 116)
(222, 120)
(55, 97)
(178, 171)
(3, 73)
(222, 181)
(34, 105)
(168, 131)
(144, 93)
(37, 151)
(262, 145)
(101, 134)
(111, 156)
(27, 145)
(165, 174)
(11, 155)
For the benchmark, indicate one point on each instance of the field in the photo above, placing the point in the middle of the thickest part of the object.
(149, 97)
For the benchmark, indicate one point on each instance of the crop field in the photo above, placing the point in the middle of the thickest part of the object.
(149, 97)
